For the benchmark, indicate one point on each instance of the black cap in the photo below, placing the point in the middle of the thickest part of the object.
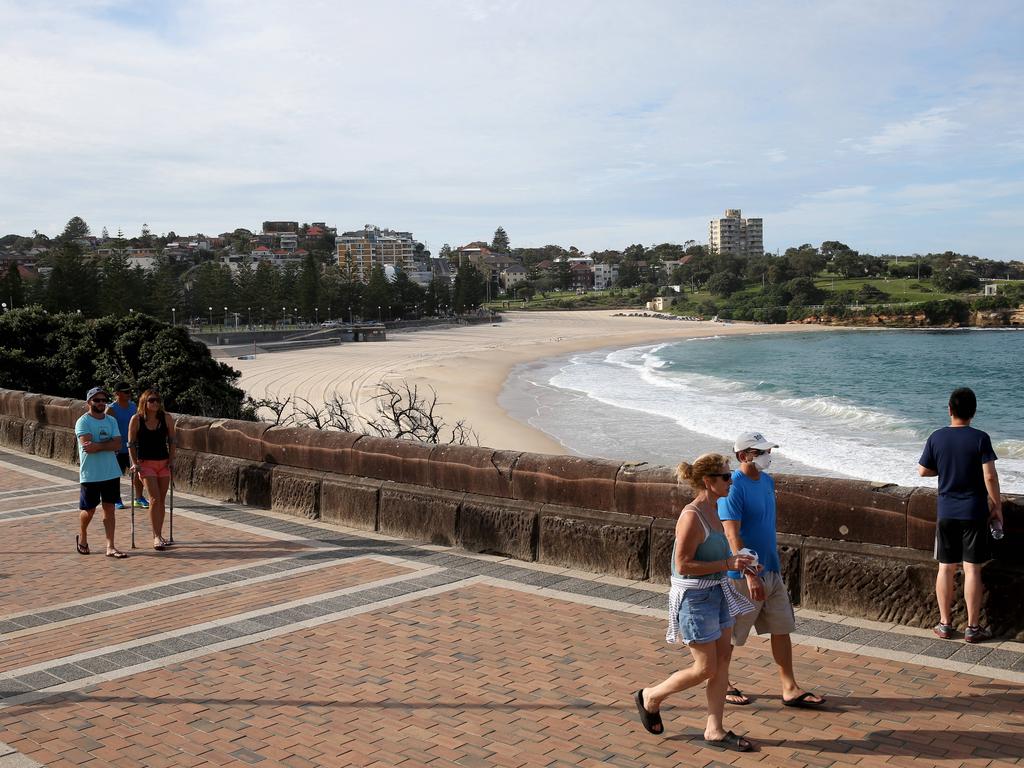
(122, 386)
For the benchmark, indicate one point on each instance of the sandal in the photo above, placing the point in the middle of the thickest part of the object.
(117, 554)
(83, 549)
(159, 545)
(651, 721)
(803, 701)
(736, 693)
(730, 741)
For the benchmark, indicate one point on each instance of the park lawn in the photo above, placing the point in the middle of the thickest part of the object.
(571, 300)
(900, 290)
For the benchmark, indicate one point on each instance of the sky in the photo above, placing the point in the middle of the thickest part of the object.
(892, 127)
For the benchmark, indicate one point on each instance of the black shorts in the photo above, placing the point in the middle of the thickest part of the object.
(107, 491)
(124, 461)
(962, 541)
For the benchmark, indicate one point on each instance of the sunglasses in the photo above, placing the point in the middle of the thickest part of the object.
(153, 400)
(100, 400)
(727, 476)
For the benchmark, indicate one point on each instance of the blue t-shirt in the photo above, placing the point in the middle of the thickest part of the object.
(124, 417)
(96, 467)
(957, 454)
(752, 504)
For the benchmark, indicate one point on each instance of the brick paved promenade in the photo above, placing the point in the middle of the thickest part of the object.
(265, 640)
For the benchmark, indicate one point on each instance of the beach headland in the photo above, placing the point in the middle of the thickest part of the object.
(467, 365)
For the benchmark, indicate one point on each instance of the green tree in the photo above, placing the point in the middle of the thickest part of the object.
(438, 298)
(805, 261)
(118, 289)
(724, 284)
(308, 285)
(562, 275)
(469, 289)
(75, 228)
(378, 294)
(804, 292)
(72, 283)
(500, 242)
(12, 290)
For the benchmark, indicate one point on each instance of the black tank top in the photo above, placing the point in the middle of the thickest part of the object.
(152, 442)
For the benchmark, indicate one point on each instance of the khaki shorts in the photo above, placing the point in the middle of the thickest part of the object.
(773, 616)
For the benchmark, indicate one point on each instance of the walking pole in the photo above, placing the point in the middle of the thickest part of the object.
(171, 537)
(131, 479)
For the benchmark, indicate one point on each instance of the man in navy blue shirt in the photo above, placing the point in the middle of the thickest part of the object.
(962, 458)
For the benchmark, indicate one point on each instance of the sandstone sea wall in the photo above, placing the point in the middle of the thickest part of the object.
(850, 547)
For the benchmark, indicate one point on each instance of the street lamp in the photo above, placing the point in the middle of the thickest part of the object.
(350, 315)
(316, 315)
(379, 320)
(211, 316)
(174, 317)
(225, 318)
(3, 305)
(263, 315)
(283, 315)
(329, 315)
(249, 309)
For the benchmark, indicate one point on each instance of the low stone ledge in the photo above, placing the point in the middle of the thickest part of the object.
(216, 477)
(417, 512)
(59, 411)
(663, 537)
(255, 484)
(921, 511)
(184, 462)
(351, 501)
(42, 441)
(850, 510)
(11, 403)
(295, 492)
(482, 471)
(400, 461)
(240, 439)
(650, 489)
(32, 407)
(593, 540)
(570, 481)
(65, 446)
(498, 526)
(11, 432)
(191, 432)
(306, 448)
(29, 436)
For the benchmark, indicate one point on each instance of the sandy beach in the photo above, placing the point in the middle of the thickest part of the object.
(468, 365)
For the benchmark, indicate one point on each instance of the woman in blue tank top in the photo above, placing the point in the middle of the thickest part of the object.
(702, 602)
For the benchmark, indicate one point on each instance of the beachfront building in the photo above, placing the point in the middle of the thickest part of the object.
(605, 276)
(512, 276)
(360, 250)
(735, 235)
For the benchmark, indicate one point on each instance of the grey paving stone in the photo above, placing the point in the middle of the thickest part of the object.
(104, 605)
(301, 613)
(98, 665)
(121, 659)
(862, 636)
(69, 672)
(1000, 659)
(272, 620)
(7, 626)
(180, 644)
(338, 604)
(134, 598)
(151, 651)
(246, 627)
(915, 644)
(11, 687)
(36, 681)
(204, 637)
(830, 631)
(940, 649)
(971, 654)
(226, 632)
(656, 601)
(27, 621)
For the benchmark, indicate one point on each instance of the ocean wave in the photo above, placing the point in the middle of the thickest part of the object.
(1010, 449)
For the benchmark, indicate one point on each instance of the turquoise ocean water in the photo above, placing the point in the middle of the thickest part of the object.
(849, 403)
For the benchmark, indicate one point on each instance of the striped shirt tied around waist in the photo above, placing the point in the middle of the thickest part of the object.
(736, 602)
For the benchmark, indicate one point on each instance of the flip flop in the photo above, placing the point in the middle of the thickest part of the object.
(803, 701)
(731, 742)
(649, 720)
(736, 693)
(117, 554)
(83, 549)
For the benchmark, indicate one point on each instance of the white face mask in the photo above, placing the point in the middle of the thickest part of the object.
(762, 462)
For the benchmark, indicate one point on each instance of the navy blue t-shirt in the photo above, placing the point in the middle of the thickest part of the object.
(957, 454)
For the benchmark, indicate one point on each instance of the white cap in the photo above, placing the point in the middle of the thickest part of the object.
(752, 440)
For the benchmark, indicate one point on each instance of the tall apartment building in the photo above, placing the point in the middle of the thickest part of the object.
(736, 235)
(361, 249)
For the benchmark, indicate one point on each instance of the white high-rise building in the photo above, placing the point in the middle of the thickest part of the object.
(735, 235)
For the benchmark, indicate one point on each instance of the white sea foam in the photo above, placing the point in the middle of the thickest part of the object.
(828, 433)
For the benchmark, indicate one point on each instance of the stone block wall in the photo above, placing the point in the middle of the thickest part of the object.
(847, 546)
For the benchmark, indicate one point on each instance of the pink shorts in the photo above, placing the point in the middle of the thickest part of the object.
(155, 468)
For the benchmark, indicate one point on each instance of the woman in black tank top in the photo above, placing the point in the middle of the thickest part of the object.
(151, 448)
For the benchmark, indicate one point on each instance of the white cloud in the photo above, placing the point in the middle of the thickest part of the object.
(928, 131)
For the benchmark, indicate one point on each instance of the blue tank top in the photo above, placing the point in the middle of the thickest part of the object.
(714, 547)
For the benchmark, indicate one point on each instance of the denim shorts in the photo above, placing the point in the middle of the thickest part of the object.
(703, 615)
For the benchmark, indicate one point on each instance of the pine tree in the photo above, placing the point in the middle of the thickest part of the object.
(500, 242)
(75, 228)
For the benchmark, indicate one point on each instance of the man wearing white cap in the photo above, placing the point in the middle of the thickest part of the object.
(748, 516)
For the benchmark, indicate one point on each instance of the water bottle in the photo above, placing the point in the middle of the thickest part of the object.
(996, 529)
(752, 568)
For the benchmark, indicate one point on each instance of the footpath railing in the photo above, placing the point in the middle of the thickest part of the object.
(849, 547)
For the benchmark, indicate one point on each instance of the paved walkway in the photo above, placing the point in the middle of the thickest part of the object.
(262, 639)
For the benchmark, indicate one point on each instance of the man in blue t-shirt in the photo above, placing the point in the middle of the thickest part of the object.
(98, 472)
(123, 409)
(962, 458)
(748, 516)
